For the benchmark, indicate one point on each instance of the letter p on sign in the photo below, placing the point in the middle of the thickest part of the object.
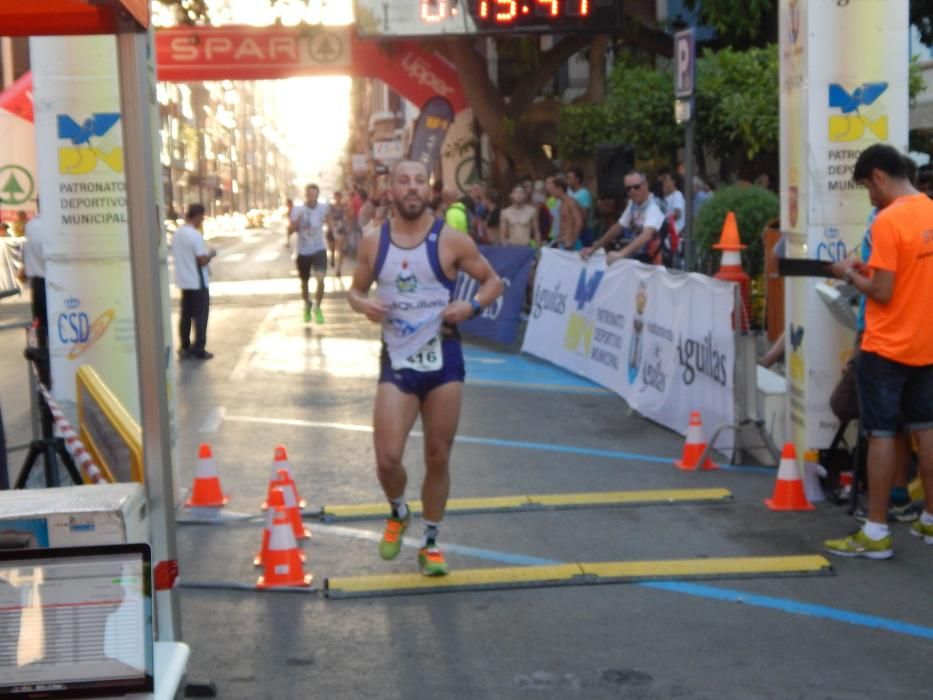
(684, 63)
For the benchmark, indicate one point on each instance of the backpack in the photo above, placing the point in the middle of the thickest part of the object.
(664, 248)
(668, 243)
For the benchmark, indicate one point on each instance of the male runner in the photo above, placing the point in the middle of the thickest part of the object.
(308, 221)
(415, 259)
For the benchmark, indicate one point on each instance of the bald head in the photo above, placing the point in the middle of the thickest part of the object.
(410, 188)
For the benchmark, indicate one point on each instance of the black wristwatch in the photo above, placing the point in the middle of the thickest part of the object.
(477, 308)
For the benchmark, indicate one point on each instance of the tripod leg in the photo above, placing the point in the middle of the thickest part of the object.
(69, 463)
(35, 449)
(4, 467)
(51, 466)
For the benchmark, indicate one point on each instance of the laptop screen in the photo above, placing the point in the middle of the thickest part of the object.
(75, 622)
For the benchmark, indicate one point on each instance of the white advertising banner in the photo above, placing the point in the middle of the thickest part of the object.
(843, 88)
(79, 146)
(662, 341)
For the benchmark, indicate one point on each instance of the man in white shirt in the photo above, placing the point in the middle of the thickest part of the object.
(673, 198)
(639, 226)
(34, 270)
(192, 277)
(307, 220)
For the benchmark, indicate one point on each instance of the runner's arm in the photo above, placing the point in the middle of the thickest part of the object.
(363, 277)
(640, 240)
(470, 261)
(608, 237)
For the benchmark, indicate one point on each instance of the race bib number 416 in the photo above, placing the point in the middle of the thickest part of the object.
(428, 359)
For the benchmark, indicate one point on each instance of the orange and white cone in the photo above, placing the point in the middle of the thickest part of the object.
(206, 491)
(275, 478)
(788, 489)
(293, 513)
(282, 559)
(276, 503)
(694, 446)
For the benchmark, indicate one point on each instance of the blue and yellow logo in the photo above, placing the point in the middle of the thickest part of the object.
(92, 142)
(578, 328)
(860, 110)
(405, 281)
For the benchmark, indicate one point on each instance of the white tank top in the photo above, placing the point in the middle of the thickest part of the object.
(413, 286)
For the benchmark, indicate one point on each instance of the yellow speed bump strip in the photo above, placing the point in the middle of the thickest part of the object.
(557, 501)
(577, 575)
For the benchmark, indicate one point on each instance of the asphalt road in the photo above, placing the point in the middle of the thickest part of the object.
(866, 632)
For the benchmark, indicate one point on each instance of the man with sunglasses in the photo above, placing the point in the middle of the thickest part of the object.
(639, 226)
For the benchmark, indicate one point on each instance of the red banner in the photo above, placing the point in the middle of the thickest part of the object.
(17, 99)
(269, 53)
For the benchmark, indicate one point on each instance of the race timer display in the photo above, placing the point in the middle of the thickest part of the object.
(426, 18)
(515, 13)
(527, 15)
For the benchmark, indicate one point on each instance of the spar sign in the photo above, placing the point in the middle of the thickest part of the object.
(17, 147)
(662, 341)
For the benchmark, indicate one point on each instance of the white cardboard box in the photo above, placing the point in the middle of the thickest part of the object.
(73, 516)
(772, 404)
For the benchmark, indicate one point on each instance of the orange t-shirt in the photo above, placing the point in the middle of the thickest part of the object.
(902, 243)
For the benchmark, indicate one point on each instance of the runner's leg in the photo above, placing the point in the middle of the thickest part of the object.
(341, 244)
(304, 272)
(394, 415)
(440, 414)
(925, 443)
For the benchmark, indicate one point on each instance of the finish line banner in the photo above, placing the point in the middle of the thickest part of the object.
(662, 341)
(500, 321)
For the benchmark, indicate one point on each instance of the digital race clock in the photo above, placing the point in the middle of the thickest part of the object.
(559, 15)
(438, 17)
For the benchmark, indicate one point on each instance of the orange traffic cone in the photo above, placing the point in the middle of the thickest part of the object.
(730, 267)
(279, 463)
(293, 513)
(276, 504)
(788, 490)
(694, 446)
(206, 492)
(282, 560)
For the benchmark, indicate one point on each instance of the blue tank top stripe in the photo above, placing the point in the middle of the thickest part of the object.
(385, 238)
(434, 256)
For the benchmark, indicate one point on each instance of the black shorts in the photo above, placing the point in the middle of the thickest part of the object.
(892, 395)
(316, 261)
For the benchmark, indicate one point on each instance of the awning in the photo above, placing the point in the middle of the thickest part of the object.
(68, 17)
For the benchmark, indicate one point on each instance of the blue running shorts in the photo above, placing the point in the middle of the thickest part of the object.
(411, 381)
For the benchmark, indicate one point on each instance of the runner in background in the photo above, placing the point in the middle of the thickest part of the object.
(307, 220)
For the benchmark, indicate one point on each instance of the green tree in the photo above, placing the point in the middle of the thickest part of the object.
(743, 23)
(736, 109)
(638, 110)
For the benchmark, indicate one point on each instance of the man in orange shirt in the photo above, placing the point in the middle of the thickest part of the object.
(895, 368)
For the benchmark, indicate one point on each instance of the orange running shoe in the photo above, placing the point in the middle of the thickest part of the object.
(391, 543)
(432, 561)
